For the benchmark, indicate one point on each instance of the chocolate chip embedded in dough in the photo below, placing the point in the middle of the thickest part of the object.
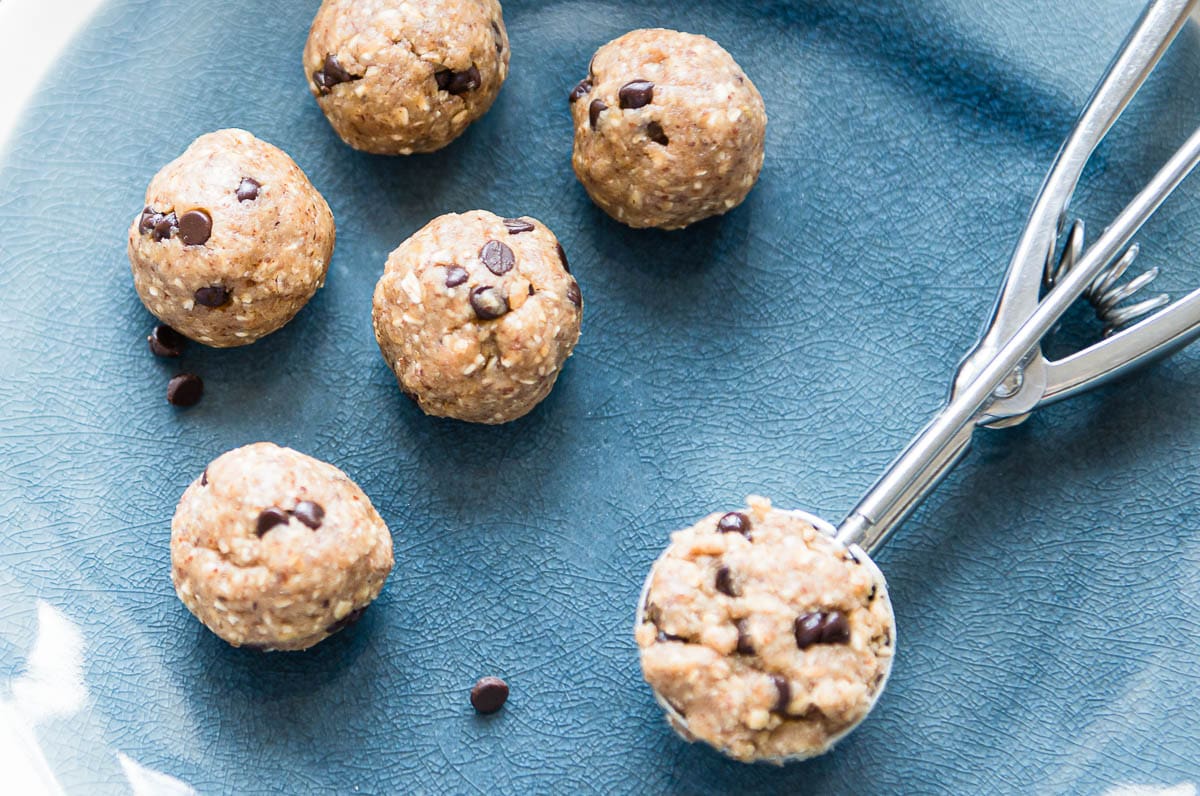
(268, 519)
(723, 582)
(581, 90)
(516, 226)
(594, 110)
(456, 275)
(309, 513)
(636, 94)
(734, 522)
(654, 131)
(498, 257)
(488, 303)
(458, 82)
(783, 691)
(211, 296)
(347, 620)
(195, 227)
(247, 190)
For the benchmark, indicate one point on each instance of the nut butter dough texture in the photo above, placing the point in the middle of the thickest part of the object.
(766, 634)
(232, 242)
(668, 129)
(476, 315)
(276, 550)
(396, 77)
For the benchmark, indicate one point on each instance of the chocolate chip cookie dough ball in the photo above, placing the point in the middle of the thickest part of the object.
(769, 637)
(232, 242)
(275, 550)
(396, 77)
(668, 129)
(476, 314)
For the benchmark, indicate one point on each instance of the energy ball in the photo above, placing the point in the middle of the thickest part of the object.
(767, 636)
(668, 129)
(396, 77)
(274, 550)
(476, 315)
(232, 242)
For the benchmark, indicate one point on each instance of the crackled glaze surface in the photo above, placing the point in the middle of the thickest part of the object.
(1046, 595)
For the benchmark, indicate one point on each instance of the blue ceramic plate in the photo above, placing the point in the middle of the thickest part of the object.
(1047, 597)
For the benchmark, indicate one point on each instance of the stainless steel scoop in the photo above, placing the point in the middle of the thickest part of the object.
(1006, 376)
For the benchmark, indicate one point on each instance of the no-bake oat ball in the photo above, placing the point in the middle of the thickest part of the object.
(770, 638)
(668, 129)
(396, 77)
(275, 550)
(233, 240)
(476, 315)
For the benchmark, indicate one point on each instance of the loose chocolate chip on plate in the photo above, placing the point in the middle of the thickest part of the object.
(594, 110)
(488, 303)
(346, 621)
(582, 88)
(783, 691)
(165, 227)
(498, 258)
(269, 518)
(248, 189)
(734, 522)
(562, 255)
(309, 513)
(456, 275)
(195, 227)
(516, 226)
(636, 94)
(458, 82)
(654, 132)
(165, 341)
(212, 296)
(573, 294)
(331, 74)
(489, 694)
(744, 645)
(185, 390)
(724, 582)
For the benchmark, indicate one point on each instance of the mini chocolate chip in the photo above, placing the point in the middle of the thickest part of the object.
(734, 522)
(268, 519)
(808, 630)
(195, 227)
(594, 110)
(871, 596)
(488, 303)
(165, 341)
(822, 628)
(347, 620)
(456, 275)
(516, 226)
(835, 629)
(489, 694)
(744, 645)
(654, 132)
(185, 389)
(499, 38)
(212, 296)
(724, 582)
(331, 74)
(309, 513)
(582, 88)
(573, 294)
(204, 477)
(498, 258)
(851, 557)
(636, 94)
(783, 690)
(248, 189)
(165, 227)
(531, 290)
(562, 255)
(458, 82)
(149, 220)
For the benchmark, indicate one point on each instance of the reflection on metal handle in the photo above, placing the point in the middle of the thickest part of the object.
(917, 470)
